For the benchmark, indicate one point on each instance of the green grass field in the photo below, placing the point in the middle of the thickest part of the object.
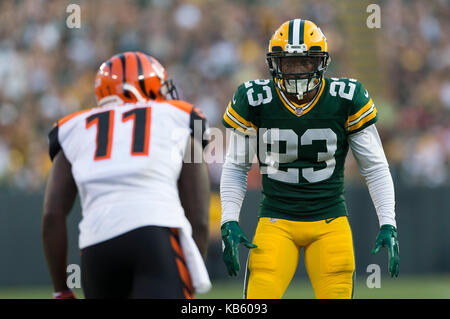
(405, 287)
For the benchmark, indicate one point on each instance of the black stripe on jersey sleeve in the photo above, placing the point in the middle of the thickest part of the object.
(197, 121)
(54, 146)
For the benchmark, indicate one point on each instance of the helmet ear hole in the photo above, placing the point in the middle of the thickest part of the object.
(152, 95)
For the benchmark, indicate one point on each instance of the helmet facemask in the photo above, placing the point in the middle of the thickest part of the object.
(169, 89)
(299, 83)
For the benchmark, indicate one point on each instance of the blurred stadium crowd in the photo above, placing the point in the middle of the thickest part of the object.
(209, 47)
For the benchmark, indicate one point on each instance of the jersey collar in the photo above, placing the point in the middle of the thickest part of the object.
(299, 109)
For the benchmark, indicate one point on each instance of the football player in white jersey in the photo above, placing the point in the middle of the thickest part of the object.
(145, 210)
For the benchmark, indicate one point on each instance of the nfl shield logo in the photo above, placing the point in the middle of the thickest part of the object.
(298, 111)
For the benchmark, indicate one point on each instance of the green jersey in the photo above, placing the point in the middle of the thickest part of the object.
(301, 148)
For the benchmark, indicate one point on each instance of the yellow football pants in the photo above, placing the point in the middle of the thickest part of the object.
(328, 254)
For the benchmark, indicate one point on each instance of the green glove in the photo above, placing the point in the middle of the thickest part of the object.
(232, 236)
(387, 237)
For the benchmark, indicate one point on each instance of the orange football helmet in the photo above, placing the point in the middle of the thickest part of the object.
(131, 77)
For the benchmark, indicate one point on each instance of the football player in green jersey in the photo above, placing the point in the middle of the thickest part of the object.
(301, 125)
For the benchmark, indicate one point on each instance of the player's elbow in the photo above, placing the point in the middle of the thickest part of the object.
(50, 218)
(200, 223)
(202, 227)
(236, 166)
(376, 169)
(52, 222)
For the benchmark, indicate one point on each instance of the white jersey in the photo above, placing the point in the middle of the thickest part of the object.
(126, 160)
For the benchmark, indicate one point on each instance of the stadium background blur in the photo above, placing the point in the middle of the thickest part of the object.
(208, 48)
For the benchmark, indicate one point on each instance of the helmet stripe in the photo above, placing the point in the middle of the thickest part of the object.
(290, 33)
(110, 71)
(298, 30)
(147, 69)
(109, 64)
(124, 66)
(141, 75)
(302, 32)
(124, 77)
(116, 67)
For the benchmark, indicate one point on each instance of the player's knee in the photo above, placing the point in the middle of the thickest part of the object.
(337, 283)
(263, 284)
(340, 260)
(341, 265)
(339, 288)
(262, 276)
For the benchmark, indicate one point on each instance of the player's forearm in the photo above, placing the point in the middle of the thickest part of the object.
(194, 193)
(372, 163)
(233, 182)
(59, 198)
(233, 186)
(54, 235)
(381, 189)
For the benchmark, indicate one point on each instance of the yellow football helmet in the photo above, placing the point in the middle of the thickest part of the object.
(300, 39)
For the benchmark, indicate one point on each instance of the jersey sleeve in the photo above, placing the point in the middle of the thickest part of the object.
(199, 126)
(238, 114)
(53, 142)
(60, 133)
(363, 112)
